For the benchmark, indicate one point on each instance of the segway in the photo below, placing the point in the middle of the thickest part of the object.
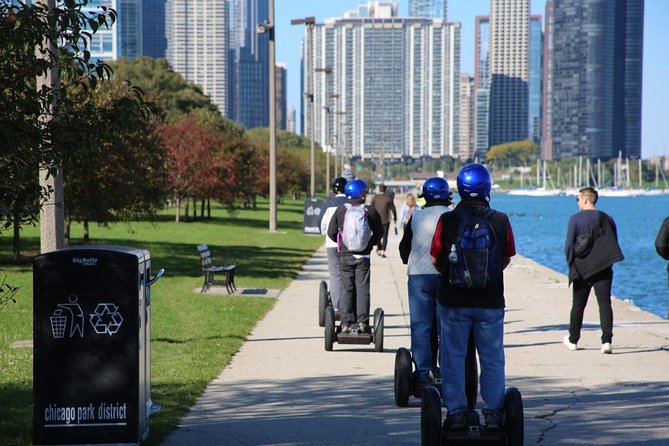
(433, 434)
(406, 386)
(333, 332)
(324, 301)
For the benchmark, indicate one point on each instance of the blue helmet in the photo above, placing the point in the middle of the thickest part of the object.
(474, 181)
(436, 189)
(355, 189)
(338, 185)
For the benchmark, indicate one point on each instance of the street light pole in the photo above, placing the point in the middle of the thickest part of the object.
(310, 22)
(268, 27)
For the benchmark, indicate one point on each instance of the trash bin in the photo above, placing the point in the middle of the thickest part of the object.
(92, 338)
(312, 211)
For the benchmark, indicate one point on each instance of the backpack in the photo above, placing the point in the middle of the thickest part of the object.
(356, 232)
(585, 241)
(475, 260)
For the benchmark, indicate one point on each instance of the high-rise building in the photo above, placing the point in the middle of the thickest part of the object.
(130, 22)
(197, 45)
(596, 78)
(281, 95)
(437, 9)
(290, 120)
(481, 86)
(104, 44)
(395, 79)
(249, 63)
(547, 109)
(466, 125)
(508, 69)
(534, 83)
(154, 42)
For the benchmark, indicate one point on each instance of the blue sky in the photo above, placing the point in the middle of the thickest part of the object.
(655, 113)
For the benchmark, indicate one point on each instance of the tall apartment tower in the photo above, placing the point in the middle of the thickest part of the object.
(154, 42)
(481, 91)
(466, 124)
(249, 63)
(396, 80)
(547, 108)
(130, 21)
(197, 45)
(281, 95)
(596, 78)
(104, 44)
(508, 68)
(436, 9)
(534, 84)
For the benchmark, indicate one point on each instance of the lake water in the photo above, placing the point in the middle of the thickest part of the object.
(540, 226)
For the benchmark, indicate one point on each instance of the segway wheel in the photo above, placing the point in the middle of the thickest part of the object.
(330, 332)
(403, 376)
(430, 418)
(378, 330)
(471, 374)
(323, 299)
(515, 420)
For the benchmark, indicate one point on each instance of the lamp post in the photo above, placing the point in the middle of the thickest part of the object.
(327, 71)
(335, 136)
(309, 22)
(268, 27)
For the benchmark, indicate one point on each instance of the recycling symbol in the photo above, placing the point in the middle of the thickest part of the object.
(106, 319)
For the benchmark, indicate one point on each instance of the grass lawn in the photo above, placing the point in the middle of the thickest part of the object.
(193, 335)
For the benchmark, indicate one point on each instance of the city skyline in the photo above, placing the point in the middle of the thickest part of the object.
(655, 104)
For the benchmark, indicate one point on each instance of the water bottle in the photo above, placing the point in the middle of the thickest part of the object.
(453, 267)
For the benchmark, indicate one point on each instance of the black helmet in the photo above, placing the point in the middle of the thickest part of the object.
(338, 185)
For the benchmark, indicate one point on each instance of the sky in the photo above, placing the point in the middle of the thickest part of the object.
(655, 111)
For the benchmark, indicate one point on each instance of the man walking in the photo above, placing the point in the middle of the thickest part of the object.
(591, 248)
(385, 206)
(662, 241)
(471, 247)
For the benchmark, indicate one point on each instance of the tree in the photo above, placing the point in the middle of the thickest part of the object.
(28, 142)
(519, 152)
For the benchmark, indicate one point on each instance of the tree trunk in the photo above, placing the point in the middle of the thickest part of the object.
(208, 208)
(202, 204)
(194, 209)
(87, 235)
(177, 203)
(68, 224)
(187, 210)
(16, 241)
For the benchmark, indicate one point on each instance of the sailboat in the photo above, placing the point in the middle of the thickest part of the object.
(542, 191)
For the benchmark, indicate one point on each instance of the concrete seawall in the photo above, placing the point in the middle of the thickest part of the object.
(283, 388)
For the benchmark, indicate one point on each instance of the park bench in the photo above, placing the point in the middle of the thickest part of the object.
(211, 271)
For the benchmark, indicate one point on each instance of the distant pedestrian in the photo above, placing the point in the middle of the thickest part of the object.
(385, 206)
(662, 241)
(472, 245)
(423, 282)
(407, 210)
(328, 210)
(591, 248)
(355, 263)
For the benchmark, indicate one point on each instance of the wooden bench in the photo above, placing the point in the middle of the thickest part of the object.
(210, 270)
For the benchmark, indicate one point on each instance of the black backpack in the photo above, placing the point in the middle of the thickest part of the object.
(475, 260)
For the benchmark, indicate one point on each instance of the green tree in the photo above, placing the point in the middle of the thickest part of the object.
(518, 152)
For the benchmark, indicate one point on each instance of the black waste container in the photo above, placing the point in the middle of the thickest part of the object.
(91, 368)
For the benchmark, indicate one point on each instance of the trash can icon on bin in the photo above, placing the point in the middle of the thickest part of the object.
(92, 339)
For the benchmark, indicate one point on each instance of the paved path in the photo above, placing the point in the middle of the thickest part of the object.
(283, 388)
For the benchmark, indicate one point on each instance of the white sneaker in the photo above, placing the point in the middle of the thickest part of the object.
(606, 348)
(569, 345)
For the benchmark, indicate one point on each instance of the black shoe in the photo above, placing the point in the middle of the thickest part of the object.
(494, 420)
(455, 421)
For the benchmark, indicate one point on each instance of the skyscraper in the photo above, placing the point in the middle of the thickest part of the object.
(154, 42)
(249, 63)
(428, 8)
(481, 86)
(197, 45)
(534, 84)
(104, 44)
(396, 79)
(130, 22)
(596, 78)
(508, 70)
(547, 112)
(281, 95)
(466, 125)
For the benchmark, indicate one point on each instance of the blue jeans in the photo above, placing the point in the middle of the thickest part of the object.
(488, 327)
(354, 297)
(423, 289)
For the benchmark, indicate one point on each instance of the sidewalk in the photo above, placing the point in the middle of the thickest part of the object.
(283, 388)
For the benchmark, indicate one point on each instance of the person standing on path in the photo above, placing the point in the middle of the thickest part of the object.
(329, 208)
(591, 248)
(423, 282)
(471, 296)
(355, 265)
(662, 242)
(407, 210)
(385, 206)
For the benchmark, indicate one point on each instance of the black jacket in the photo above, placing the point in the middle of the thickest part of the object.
(662, 241)
(605, 251)
(337, 224)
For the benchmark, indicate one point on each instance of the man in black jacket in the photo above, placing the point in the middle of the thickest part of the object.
(662, 241)
(355, 271)
(591, 248)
